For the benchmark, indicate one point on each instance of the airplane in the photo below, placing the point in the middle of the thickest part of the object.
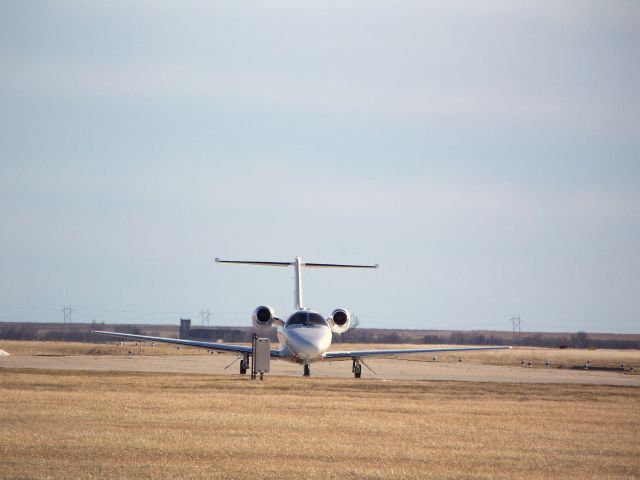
(305, 337)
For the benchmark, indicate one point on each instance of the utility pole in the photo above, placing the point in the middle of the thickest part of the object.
(205, 315)
(515, 320)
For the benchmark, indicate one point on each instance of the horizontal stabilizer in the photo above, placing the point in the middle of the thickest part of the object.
(302, 264)
(336, 265)
(298, 265)
(253, 262)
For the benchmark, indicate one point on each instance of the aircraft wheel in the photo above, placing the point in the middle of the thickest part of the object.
(243, 367)
(307, 371)
(356, 368)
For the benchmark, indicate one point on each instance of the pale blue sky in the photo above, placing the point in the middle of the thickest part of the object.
(486, 154)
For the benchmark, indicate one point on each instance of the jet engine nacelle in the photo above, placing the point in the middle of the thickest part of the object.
(340, 320)
(263, 317)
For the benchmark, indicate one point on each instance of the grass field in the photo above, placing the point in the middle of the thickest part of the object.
(538, 356)
(516, 355)
(21, 347)
(65, 424)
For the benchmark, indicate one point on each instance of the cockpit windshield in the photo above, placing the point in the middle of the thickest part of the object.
(307, 319)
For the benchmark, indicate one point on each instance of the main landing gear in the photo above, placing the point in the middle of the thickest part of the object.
(307, 370)
(356, 368)
(244, 364)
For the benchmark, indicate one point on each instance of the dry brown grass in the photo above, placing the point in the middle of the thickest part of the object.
(555, 356)
(20, 347)
(133, 425)
(514, 356)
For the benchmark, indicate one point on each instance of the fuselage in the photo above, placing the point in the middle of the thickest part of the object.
(305, 336)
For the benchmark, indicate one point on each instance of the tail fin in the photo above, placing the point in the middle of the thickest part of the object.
(298, 264)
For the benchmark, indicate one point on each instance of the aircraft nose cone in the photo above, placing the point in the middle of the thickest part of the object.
(308, 343)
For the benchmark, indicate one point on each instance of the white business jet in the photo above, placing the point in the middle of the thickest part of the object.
(305, 337)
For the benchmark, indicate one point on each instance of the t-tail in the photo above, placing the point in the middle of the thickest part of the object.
(297, 264)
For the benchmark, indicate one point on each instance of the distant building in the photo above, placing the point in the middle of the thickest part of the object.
(185, 328)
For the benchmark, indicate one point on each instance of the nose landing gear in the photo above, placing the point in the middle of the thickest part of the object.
(356, 368)
(307, 370)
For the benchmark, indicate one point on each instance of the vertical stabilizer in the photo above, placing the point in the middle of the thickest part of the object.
(298, 293)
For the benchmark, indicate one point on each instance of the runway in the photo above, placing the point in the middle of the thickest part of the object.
(386, 369)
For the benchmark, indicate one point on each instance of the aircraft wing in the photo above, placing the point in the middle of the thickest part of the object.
(400, 351)
(222, 347)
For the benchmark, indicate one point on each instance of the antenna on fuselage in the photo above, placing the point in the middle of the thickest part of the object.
(298, 264)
